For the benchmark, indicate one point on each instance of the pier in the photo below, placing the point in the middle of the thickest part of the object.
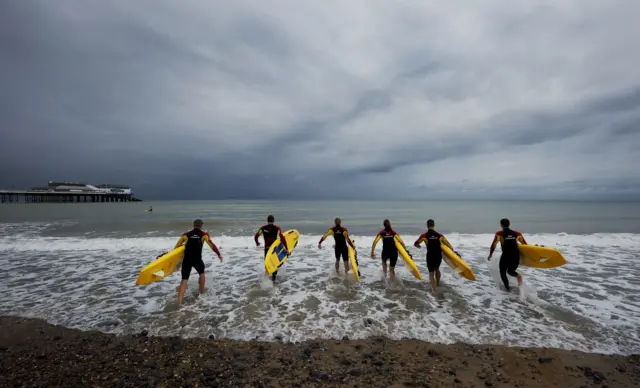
(68, 192)
(27, 196)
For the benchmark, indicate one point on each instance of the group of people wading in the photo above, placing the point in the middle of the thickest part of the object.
(508, 238)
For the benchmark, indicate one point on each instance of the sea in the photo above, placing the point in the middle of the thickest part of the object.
(76, 265)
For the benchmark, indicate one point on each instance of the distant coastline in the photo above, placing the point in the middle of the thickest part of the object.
(286, 199)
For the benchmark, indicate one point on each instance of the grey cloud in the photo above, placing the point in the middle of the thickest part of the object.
(524, 128)
(215, 100)
(556, 125)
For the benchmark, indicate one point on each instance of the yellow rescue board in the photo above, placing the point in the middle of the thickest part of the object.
(407, 259)
(277, 254)
(354, 263)
(540, 257)
(456, 263)
(163, 266)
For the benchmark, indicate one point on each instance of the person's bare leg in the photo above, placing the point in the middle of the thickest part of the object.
(181, 290)
(384, 270)
(202, 282)
(438, 277)
(392, 273)
(338, 267)
(432, 280)
(519, 277)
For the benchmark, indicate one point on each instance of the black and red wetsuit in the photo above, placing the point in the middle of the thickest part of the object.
(389, 250)
(341, 237)
(510, 257)
(192, 258)
(433, 240)
(270, 233)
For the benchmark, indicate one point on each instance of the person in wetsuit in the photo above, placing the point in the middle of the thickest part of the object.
(341, 237)
(193, 241)
(270, 232)
(432, 240)
(389, 250)
(510, 257)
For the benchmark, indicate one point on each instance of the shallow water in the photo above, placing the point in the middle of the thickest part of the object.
(87, 280)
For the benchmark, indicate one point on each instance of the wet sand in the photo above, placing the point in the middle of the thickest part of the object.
(36, 354)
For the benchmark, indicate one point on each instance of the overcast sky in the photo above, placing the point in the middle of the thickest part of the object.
(323, 99)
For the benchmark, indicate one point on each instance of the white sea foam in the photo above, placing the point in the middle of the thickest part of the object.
(591, 304)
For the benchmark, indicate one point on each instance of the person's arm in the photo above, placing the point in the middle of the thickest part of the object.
(284, 240)
(212, 245)
(181, 241)
(443, 240)
(422, 238)
(496, 238)
(329, 233)
(373, 247)
(521, 239)
(255, 238)
(346, 236)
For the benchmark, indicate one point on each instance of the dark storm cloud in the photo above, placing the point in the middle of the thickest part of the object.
(522, 128)
(253, 99)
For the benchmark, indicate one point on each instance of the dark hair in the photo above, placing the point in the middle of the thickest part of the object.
(197, 223)
(338, 221)
(431, 222)
(386, 223)
(271, 218)
(505, 222)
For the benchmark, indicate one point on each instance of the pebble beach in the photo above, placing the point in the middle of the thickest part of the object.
(34, 353)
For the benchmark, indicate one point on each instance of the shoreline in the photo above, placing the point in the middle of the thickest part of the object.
(36, 353)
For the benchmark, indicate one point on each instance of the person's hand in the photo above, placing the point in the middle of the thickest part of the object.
(489, 258)
(319, 246)
(257, 244)
(373, 255)
(416, 245)
(220, 258)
